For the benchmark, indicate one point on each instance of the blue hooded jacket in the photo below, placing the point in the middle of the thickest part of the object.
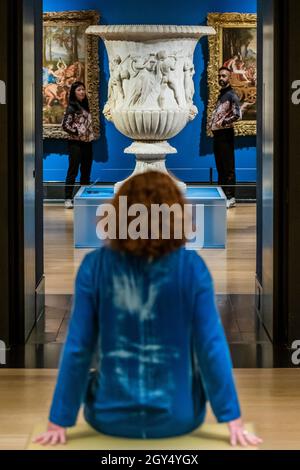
(160, 349)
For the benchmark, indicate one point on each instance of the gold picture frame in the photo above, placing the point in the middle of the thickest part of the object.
(68, 55)
(232, 29)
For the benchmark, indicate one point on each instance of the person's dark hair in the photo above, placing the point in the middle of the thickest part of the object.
(149, 188)
(73, 101)
(224, 68)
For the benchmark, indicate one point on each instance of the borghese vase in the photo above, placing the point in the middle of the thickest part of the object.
(151, 87)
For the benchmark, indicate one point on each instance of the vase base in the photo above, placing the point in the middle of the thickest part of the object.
(182, 186)
(150, 156)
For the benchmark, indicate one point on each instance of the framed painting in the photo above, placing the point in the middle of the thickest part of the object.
(234, 46)
(69, 55)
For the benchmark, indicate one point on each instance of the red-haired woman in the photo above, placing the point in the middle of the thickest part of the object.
(146, 308)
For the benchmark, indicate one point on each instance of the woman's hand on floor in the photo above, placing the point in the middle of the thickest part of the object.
(53, 436)
(240, 436)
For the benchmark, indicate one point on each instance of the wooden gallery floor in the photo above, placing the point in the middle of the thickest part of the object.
(233, 269)
(269, 399)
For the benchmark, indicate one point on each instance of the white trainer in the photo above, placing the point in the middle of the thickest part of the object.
(69, 204)
(231, 203)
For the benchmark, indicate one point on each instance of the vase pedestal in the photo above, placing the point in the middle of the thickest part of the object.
(209, 201)
(150, 156)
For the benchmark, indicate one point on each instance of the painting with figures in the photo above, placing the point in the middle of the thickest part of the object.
(234, 46)
(63, 64)
(239, 55)
(69, 55)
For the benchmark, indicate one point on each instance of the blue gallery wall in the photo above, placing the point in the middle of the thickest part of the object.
(194, 158)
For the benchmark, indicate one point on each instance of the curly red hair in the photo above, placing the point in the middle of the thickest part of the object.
(149, 188)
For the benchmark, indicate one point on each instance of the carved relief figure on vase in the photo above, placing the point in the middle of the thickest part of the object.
(166, 66)
(145, 85)
(151, 78)
(189, 87)
(116, 92)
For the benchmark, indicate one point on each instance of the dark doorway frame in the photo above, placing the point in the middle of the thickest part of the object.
(278, 218)
(21, 236)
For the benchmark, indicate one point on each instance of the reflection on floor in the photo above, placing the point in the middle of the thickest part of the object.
(233, 269)
(249, 344)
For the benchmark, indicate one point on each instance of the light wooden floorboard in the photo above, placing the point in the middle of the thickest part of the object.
(269, 399)
(233, 269)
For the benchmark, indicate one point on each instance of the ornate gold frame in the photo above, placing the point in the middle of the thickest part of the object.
(85, 17)
(219, 21)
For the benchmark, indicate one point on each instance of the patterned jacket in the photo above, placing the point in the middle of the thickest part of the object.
(77, 122)
(227, 111)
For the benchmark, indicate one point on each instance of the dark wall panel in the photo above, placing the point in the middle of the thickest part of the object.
(265, 149)
(19, 141)
(29, 162)
(292, 74)
(39, 229)
(4, 236)
(278, 254)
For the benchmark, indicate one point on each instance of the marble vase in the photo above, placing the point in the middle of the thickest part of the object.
(151, 87)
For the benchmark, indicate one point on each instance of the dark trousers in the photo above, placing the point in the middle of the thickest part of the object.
(225, 161)
(80, 156)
